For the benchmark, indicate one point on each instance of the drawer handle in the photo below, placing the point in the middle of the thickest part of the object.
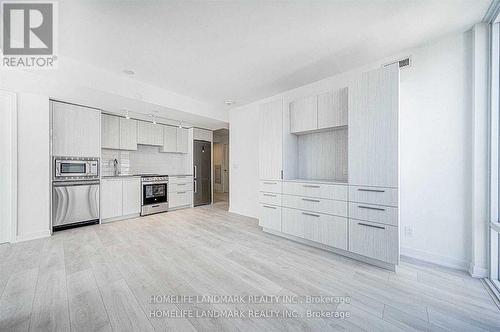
(181, 184)
(372, 190)
(181, 192)
(269, 207)
(270, 195)
(372, 226)
(370, 208)
(155, 206)
(310, 214)
(269, 182)
(311, 200)
(310, 186)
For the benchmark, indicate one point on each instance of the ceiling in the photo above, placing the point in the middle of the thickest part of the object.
(248, 50)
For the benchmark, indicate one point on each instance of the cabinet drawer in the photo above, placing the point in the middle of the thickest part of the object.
(186, 186)
(319, 190)
(270, 217)
(270, 198)
(374, 240)
(321, 205)
(373, 195)
(376, 213)
(328, 230)
(180, 179)
(180, 198)
(270, 186)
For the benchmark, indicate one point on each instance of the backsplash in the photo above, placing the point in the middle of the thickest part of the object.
(146, 159)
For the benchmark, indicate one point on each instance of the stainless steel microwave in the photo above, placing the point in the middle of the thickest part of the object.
(76, 168)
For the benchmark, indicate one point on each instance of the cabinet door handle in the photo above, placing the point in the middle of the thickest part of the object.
(310, 186)
(311, 200)
(181, 184)
(270, 195)
(269, 207)
(372, 190)
(370, 208)
(181, 192)
(155, 206)
(310, 214)
(372, 226)
(269, 182)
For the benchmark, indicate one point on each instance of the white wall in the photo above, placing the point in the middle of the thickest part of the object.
(33, 186)
(435, 113)
(8, 166)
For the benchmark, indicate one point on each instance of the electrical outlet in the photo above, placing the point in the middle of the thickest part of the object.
(408, 231)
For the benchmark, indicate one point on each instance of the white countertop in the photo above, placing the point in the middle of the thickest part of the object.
(317, 181)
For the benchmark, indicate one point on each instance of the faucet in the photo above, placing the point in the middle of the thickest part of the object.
(115, 167)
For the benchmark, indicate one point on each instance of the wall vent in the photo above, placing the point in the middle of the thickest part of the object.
(403, 63)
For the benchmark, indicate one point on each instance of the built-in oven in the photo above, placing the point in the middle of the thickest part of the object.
(75, 168)
(75, 192)
(154, 195)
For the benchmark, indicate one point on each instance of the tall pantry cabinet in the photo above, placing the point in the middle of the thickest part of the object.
(329, 168)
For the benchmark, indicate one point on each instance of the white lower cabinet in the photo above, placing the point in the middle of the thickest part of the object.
(180, 191)
(120, 197)
(374, 240)
(131, 196)
(111, 198)
(270, 217)
(293, 223)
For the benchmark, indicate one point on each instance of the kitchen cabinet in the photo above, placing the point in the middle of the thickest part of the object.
(110, 132)
(325, 229)
(128, 134)
(111, 198)
(76, 130)
(182, 140)
(149, 133)
(120, 197)
(180, 191)
(131, 196)
(304, 114)
(169, 139)
(332, 109)
(270, 140)
(373, 129)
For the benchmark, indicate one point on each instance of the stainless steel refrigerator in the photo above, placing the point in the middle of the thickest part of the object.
(202, 172)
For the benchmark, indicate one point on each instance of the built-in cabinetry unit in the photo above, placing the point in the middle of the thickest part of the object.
(329, 168)
(120, 198)
(124, 134)
(180, 191)
(75, 130)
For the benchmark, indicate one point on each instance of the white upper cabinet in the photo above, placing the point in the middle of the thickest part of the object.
(332, 109)
(76, 130)
(110, 131)
(373, 129)
(304, 114)
(271, 140)
(149, 133)
(128, 134)
(169, 139)
(182, 140)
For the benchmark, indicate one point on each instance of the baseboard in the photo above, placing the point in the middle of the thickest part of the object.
(428, 257)
(231, 210)
(478, 272)
(33, 236)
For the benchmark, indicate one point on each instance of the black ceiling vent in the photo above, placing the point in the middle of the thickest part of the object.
(403, 63)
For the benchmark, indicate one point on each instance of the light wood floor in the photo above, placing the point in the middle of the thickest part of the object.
(103, 277)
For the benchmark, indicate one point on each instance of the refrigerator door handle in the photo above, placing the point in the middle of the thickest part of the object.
(195, 186)
(195, 169)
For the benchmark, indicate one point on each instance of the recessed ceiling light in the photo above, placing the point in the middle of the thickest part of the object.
(128, 72)
(153, 119)
(229, 102)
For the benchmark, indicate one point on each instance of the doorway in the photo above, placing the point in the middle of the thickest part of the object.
(221, 168)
